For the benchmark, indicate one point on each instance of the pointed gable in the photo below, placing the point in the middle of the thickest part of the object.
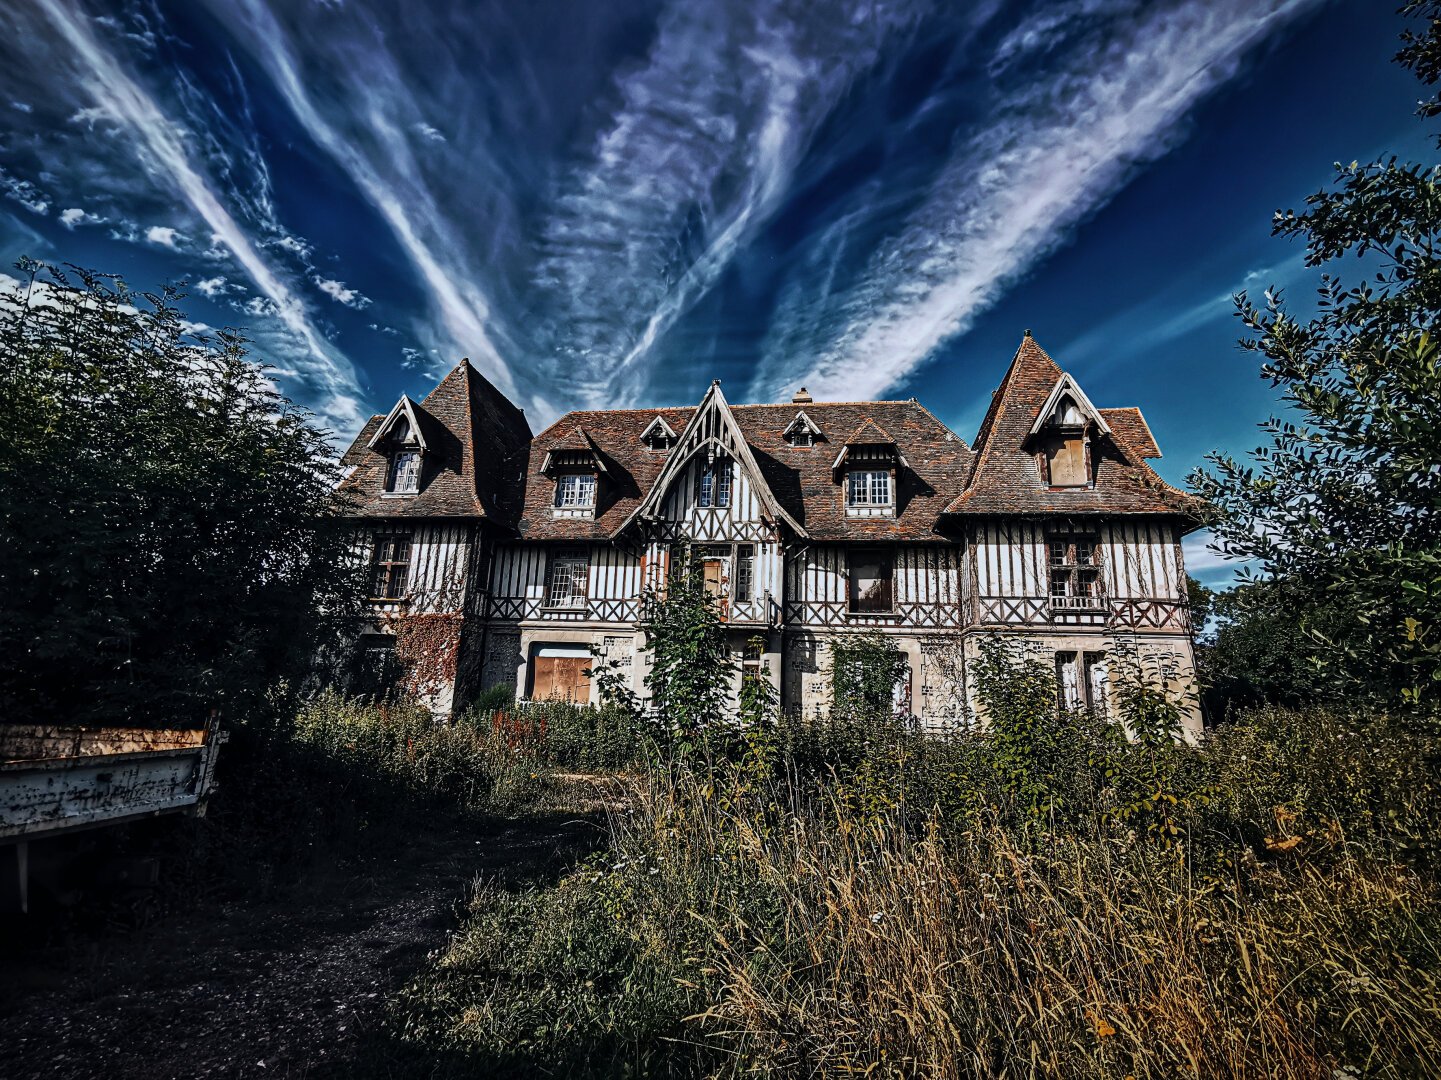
(574, 449)
(1005, 477)
(474, 441)
(712, 430)
(401, 425)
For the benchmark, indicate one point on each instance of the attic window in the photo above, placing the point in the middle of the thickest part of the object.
(802, 431)
(403, 475)
(714, 484)
(658, 435)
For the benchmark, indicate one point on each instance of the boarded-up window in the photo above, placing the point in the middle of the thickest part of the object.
(567, 579)
(871, 581)
(1066, 461)
(560, 674)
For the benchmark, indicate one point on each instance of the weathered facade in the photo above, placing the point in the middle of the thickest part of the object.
(502, 557)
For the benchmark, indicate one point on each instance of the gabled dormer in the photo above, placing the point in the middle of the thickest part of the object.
(868, 469)
(401, 439)
(802, 432)
(576, 466)
(658, 435)
(1062, 436)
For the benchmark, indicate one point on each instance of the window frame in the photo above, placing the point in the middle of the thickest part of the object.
(882, 558)
(1066, 569)
(577, 478)
(869, 502)
(713, 484)
(1086, 661)
(394, 473)
(576, 600)
(384, 560)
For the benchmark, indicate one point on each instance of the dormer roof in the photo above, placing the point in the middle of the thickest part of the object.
(658, 429)
(1067, 405)
(801, 422)
(574, 448)
(404, 410)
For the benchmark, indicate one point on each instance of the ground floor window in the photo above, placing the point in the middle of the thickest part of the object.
(559, 673)
(375, 673)
(1081, 679)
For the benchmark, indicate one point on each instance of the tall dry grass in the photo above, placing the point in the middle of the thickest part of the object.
(777, 917)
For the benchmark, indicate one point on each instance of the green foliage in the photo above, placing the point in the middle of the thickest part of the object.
(866, 668)
(1343, 507)
(493, 699)
(167, 531)
(692, 674)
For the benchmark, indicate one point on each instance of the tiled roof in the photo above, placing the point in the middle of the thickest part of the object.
(465, 420)
(799, 477)
(1006, 480)
(869, 434)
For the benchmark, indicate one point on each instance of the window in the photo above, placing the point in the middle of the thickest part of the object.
(567, 580)
(871, 582)
(1066, 460)
(869, 487)
(404, 473)
(375, 673)
(745, 573)
(575, 491)
(715, 484)
(1075, 566)
(802, 436)
(390, 567)
(1081, 681)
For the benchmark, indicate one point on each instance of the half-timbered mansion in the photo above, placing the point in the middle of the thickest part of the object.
(502, 557)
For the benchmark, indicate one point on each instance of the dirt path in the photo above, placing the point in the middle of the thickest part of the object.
(277, 989)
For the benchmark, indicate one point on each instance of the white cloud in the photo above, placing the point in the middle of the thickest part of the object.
(163, 235)
(163, 147)
(74, 216)
(25, 193)
(295, 246)
(211, 288)
(22, 106)
(338, 291)
(427, 132)
(1049, 156)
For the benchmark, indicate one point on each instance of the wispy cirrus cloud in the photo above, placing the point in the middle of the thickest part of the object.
(163, 148)
(701, 151)
(384, 168)
(1120, 79)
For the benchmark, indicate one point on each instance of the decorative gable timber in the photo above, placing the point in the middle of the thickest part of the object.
(658, 431)
(713, 429)
(802, 422)
(403, 408)
(1066, 387)
(868, 442)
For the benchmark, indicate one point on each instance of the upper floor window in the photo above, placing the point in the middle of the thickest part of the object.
(403, 476)
(1075, 569)
(567, 579)
(868, 487)
(390, 567)
(714, 484)
(872, 581)
(575, 491)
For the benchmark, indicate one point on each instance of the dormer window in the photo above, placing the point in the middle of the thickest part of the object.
(658, 435)
(403, 475)
(802, 431)
(1062, 436)
(575, 491)
(714, 484)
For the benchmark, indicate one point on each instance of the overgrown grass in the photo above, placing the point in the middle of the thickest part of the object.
(860, 899)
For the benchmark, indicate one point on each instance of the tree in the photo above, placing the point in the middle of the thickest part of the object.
(1341, 510)
(692, 671)
(167, 528)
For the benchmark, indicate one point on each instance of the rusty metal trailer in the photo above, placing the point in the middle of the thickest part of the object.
(58, 780)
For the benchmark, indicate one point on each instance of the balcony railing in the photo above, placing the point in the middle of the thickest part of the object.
(1078, 603)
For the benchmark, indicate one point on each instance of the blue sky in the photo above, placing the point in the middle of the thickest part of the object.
(612, 204)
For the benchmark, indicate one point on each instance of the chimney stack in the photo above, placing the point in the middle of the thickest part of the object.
(801, 397)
